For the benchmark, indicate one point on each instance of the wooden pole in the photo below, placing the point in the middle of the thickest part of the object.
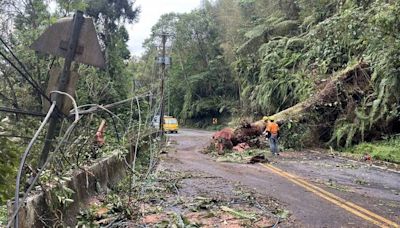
(164, 40)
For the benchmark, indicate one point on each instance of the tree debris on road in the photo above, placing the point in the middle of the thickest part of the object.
(197, 199)
(246, 136)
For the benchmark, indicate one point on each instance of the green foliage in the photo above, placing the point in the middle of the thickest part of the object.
(386, 150)
(296, 136)
(256, 31)
(239, 157)
(30, 19)
(285, 28)
(3, 215)
(120, 202)
(358, 32)
(60, 194)
(273, 55)
(67, 7)
(9, 156)
(289, 65)
(314, 11)
(199, 82)
(276, 85)
(112, 11)
(9, 160)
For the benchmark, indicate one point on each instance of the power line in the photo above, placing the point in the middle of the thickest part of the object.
(25, 155)
(35, 179)
(19, 62)
(25, 77)
(109, 106)
(64, 142)
(19, 111)
(28, 77)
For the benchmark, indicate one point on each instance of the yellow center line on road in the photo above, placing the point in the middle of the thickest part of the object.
(361, 209)
(348, 206)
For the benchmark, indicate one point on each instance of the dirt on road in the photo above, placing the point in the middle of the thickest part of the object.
(351, 193)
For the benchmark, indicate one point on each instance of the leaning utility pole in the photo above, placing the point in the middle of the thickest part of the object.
(164, 40)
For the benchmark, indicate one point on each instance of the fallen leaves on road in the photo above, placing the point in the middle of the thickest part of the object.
(247, 156)
(239, 214)
(198, 200)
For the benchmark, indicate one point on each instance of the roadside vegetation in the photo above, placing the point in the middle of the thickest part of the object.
(21, 23)
(253, 58)
(3, 215)
(386, 150)
(232, 60)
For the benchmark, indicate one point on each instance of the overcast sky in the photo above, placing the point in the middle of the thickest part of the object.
(151, 10)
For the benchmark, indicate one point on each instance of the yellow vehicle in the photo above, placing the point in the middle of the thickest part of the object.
(171, 124)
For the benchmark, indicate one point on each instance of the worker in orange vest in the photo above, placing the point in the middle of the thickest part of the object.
(272, 132)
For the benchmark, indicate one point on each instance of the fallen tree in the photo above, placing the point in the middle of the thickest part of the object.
(328, 95)
(337, 99)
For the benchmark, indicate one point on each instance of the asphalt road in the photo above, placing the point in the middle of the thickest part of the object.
(351, 194)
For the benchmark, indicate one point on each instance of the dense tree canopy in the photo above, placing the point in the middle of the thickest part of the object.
(258, 57)
(230, 58)
(22, 22)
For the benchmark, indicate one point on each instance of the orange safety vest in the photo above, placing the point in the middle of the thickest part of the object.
(273, 128)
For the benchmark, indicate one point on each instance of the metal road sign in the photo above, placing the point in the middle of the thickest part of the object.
(55, 39)
(74, 39)
(166, 60)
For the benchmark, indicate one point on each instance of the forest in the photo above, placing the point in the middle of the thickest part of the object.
(254, 58)
(231, 60)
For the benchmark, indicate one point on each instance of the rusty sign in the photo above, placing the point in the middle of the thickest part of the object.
(55, 39)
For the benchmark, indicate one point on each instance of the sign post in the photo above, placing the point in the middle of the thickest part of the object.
(62, 84)
(74, 39)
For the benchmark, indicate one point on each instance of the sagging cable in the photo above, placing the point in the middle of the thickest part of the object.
(14, 216)
(25, 155)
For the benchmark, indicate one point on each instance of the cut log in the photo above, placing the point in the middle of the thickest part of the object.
(247, 133)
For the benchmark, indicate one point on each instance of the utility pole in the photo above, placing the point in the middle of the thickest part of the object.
(168, 95)
(164, 40)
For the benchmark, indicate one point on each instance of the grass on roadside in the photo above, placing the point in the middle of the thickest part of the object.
(385, 150)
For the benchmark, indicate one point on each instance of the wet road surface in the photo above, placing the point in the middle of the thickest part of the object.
(371, 188)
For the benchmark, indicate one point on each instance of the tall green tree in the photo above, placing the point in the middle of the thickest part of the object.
(29, 19)
(199, 82)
